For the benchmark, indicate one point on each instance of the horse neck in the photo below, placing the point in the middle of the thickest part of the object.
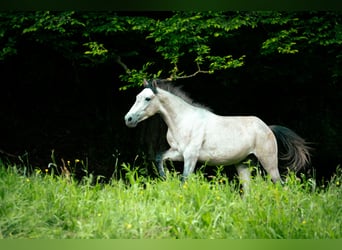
(172, 108)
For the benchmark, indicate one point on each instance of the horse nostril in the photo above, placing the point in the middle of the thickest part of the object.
(129, 119)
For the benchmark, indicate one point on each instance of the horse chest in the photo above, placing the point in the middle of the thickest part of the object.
(185, 138)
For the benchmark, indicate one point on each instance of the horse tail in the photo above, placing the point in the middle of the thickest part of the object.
(293, 151)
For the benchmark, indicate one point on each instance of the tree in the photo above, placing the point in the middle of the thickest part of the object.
(184, 43)
(249, 53)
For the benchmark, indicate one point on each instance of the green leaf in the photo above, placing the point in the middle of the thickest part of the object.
(95, 49)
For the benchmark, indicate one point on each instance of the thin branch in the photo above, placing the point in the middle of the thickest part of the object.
(192, 75)
(172, 77)
(189, 76)
(8, 154)
(118, 60)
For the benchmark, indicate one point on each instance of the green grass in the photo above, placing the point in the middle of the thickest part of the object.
(45, 206)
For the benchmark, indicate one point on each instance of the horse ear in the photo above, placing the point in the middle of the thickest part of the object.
(154, 84)
(145, 83)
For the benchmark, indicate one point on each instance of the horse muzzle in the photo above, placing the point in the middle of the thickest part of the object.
(130, 121)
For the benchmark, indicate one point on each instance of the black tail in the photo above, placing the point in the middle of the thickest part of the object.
(293, 151)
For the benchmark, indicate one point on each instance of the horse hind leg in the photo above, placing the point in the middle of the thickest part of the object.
(270, 163)
(266, 151)
(244, 175)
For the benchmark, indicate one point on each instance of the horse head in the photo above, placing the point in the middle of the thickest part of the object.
(146, 105)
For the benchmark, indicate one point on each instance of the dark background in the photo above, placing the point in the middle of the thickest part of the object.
(49, 103)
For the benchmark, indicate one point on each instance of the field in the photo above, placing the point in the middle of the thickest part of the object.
(46, 206)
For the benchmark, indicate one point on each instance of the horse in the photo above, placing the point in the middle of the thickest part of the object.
(195, 133)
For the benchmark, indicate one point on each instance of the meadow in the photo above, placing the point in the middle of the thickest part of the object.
(43, 205)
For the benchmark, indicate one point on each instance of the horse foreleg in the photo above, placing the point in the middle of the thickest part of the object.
(159, 161)
(190, 159)
(170, 154)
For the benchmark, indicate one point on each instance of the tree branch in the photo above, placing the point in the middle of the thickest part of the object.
(172, 77)
(118, 61)
(8, 154)
(199, 70)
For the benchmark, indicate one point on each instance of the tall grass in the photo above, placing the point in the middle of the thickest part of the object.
(42, 205)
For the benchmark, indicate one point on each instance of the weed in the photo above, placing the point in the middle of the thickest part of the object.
(43, 205)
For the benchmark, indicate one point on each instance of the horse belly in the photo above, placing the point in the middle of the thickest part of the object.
(231, 145)
(225, 153)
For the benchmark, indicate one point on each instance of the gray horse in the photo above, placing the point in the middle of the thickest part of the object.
(196, 134)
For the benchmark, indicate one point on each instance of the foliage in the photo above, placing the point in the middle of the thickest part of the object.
(44, 206)
(182, 44)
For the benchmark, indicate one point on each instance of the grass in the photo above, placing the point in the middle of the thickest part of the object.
(45, 206)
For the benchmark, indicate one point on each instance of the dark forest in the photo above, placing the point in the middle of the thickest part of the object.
(69, 78)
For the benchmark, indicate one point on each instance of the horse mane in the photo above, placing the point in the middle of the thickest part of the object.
(177, 91)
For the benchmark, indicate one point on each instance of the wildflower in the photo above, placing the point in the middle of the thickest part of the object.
(68, 162)
(99, 215)
(128, 226)
(303, 222)
(46, 170)
(77, 160)
(27, 180)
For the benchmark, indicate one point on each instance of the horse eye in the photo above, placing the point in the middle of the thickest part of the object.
(147, 99)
